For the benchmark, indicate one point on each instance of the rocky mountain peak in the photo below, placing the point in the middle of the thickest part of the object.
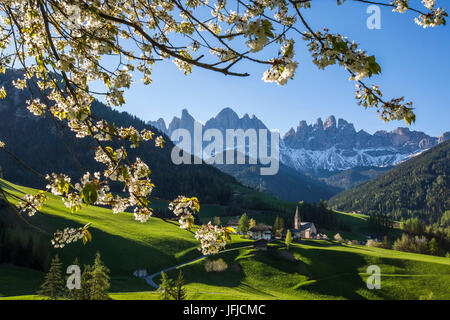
(330, 123)
(159, 124)
(290, 133)
(319, 124)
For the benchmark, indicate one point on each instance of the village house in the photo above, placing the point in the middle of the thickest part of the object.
(261, 232)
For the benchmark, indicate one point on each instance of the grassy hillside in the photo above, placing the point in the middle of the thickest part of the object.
(125, 244)
(312, 270)
(321, 270)
(418, 187)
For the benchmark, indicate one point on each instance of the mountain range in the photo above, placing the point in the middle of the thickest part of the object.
(331, 150)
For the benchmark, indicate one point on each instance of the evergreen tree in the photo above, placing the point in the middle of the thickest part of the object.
(288, 239)
(180, 292)
(99, 283)
(217, 221)
(166, 288)
(244, 224)
(281, 225)
(53, 287)
(86, 276)
(276, 225)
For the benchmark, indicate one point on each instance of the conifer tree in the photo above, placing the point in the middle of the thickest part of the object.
(86, 276)
(281, 228)
(53, 287)
(244, 224)
(180, 292)
(276, 225)
(99, 283)
(166, 288)
(288, 239)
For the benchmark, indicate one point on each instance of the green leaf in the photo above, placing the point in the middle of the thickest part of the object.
(89, 194)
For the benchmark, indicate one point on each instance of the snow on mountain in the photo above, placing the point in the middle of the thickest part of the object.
(335, 159)
(332, 145)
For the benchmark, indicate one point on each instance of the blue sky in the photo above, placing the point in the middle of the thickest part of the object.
(414, 63)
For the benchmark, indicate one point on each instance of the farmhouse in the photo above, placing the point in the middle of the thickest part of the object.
(261, 232)
(306, 230)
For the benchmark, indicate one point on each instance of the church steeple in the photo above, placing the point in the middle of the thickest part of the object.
(297, 220)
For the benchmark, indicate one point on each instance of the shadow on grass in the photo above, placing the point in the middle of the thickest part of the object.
(336, 273)
(196, 273)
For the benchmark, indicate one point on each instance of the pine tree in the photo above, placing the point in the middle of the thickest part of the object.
(166, 288)
(217, 221)
(281, 226)
(99, 283)
(276, 225)
(86, 277)
(288, 239)
(180, 292)
(244, 224)
(53, 287)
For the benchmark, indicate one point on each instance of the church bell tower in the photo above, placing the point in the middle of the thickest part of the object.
(297, 220)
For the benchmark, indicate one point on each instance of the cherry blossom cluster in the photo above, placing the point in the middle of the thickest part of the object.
(70, 235)
(185, 208)
(282, 69)
(433, 18)
(395, 109)
(328, 49)
(211, 238)
(32, 203)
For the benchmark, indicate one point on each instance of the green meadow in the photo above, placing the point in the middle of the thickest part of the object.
(311, 269)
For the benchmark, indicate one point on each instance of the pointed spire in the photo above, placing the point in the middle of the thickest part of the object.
(297, 221)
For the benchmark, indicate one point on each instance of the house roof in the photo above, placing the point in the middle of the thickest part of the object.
(261, 228)
(304, 226)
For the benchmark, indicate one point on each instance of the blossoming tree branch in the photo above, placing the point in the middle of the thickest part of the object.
(59, 46)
